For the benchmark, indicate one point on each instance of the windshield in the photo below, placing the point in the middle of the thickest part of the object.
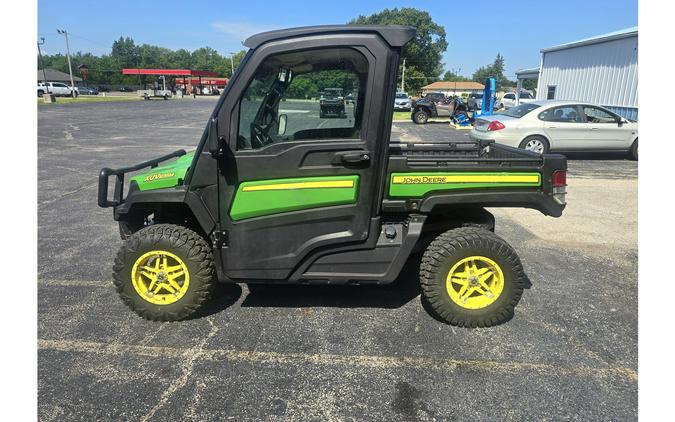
(401, 95)
(525, 95)
(520, 111)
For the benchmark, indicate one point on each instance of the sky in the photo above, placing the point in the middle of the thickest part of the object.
(516, 29)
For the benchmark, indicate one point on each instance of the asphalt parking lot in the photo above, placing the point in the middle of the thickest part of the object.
(327, 353)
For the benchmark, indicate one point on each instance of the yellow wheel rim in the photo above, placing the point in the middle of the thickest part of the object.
(160, 277)
(475, 282)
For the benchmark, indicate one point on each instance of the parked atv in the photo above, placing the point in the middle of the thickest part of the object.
(278, 198)
(433, 107)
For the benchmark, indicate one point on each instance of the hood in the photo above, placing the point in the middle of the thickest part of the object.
(165, 176)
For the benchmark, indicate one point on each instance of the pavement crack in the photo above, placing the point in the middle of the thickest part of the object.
(190, 356)
(74, 170)
(63, 195)
(68, 133)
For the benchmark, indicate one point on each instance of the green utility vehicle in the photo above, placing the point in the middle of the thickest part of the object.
(332, 103)
(275, 194)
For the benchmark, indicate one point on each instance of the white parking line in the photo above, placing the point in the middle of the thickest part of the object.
(75, 283)
(364, 361)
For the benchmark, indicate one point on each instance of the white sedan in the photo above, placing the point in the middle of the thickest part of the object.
(543, 126)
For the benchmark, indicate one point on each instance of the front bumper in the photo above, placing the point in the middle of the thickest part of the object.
(494, 136)
(119, 173)
(333, 109)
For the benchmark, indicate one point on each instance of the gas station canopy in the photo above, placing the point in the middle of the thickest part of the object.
(168, 72)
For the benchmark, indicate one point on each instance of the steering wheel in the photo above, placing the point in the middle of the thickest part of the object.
(260, 137)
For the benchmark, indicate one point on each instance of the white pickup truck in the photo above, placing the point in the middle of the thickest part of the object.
(56, 88)
(509, 99)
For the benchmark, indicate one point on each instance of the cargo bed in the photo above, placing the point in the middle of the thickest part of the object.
(429, 176)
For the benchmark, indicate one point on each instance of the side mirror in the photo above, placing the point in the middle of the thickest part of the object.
(281, 126)
(214, 141)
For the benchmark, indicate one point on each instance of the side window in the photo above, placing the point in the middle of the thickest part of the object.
(308, 95)
(510, 96)
(58, 85)
(566, 114)
(597, 115)
(550, 93)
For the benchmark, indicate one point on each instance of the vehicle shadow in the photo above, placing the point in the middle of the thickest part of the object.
(224, 296)
(404, 289)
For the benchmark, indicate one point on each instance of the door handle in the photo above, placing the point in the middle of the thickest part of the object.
(351, 157)
(594, 128)
(552, 127)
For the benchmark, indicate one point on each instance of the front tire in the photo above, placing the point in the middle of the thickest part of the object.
(471, 278)
(536, 143)
(420, 117)
(165, 272)
(634, 150)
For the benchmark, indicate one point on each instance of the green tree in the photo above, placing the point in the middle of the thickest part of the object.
(496, 70)
(450, 76)
(126, 52)
(530, 84)
(424, 53)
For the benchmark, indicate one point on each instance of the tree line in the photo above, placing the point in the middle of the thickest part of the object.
(107, 69)
(423, 58)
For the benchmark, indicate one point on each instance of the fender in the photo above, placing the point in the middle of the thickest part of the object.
(144, 202)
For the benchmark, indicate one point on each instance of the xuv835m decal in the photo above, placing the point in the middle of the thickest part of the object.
(267, 197)
(415, 185)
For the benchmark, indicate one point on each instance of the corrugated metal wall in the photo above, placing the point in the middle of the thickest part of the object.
(604, 73)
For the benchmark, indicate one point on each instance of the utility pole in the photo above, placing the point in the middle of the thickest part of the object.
(456, 76)
(403, 77)
(70, 68)
(232, 63)
(42, 65)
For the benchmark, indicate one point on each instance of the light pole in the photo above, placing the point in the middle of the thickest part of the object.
(403, 77)
(70, 69)
(44, 73)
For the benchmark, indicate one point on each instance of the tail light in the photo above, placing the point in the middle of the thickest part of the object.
(560, 186)
(495, 125)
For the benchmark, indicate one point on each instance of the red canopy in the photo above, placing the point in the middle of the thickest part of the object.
(168, 72)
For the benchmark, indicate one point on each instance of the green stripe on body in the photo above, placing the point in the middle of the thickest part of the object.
(268, 197)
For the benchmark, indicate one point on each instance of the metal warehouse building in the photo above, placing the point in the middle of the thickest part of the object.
(600, 70)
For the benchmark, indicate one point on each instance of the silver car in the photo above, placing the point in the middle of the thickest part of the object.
(402, 102)
(543, 126)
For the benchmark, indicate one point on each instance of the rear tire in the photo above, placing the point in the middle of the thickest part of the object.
(420, 117)
(464, 250)
(535, 143)
(144, 256)
(634, 150)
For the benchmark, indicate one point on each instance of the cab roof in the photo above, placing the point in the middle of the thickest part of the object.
(394, 35)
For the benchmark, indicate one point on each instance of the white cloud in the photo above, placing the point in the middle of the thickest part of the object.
(240, 30)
